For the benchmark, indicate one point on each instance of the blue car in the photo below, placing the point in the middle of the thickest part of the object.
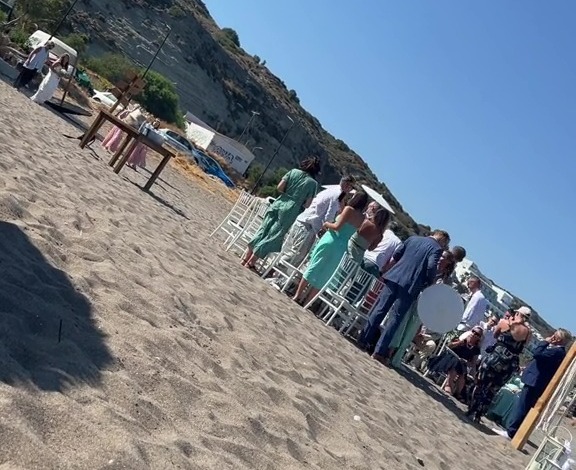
(211, 166)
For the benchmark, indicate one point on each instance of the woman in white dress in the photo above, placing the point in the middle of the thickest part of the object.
(52, 79)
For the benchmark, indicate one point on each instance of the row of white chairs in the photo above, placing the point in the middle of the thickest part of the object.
(350, 293)
(243, 221)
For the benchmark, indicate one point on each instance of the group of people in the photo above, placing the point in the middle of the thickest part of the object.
(38, 58)
(33, 65)
(322, 227)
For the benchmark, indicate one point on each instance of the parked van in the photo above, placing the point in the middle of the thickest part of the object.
(40, 37)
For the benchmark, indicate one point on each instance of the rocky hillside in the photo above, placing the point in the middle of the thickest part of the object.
(221, 83)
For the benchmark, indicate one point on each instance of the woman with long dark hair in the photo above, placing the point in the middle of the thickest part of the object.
(297, 189)
(332, 246)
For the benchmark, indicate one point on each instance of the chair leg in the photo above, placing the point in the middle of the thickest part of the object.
(334, 315)
(320, 292)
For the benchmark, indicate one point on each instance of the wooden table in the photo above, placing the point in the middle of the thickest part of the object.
(166, 153)
(132, 135)
(130, 132)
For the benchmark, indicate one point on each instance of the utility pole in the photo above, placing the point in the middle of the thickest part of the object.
(273, 156)
(254, 114)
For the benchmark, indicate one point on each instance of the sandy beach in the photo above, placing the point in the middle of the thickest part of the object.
(131, 340)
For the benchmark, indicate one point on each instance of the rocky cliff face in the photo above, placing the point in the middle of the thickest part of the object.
(220, 83)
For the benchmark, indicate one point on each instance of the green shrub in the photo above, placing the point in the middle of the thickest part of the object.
(176, 12)
(20, 37)
(77, 41)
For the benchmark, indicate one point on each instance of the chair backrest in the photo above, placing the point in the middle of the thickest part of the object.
(257, 216)
(340, 279)
(371, 296)
(360, 285)
(242, 208)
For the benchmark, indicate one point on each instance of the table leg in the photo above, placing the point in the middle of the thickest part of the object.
(121, 149)
(157, 172)
(125, 157)
(90, 133)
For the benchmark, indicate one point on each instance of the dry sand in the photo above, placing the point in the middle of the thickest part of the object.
(171, 354)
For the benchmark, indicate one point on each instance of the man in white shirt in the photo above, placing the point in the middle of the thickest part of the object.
(476, 307)
(33, 64)
(324, 208)
(376, 260)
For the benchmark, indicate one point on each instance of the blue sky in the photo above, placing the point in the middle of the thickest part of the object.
(466, 110)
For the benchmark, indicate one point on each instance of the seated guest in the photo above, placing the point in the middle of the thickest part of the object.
(455, 363)
(423, 346)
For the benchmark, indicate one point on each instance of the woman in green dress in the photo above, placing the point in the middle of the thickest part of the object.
(329, 250)
(297, 189)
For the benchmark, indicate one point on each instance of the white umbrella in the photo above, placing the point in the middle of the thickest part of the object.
(378, 198)
(331, 186)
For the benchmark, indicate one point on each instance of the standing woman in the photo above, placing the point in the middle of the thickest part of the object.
(370, 233)
(112, 140)
(137, 157)
(332, 246)
(297, 189)
(500, 362)
(50, 83)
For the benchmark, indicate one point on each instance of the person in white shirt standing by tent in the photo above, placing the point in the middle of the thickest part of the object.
(476, 307)
(33, 64)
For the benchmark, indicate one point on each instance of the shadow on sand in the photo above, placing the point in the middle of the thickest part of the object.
(35, 299)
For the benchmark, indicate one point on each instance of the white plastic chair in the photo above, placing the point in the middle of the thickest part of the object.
(242, 238)
(333, 294)
(364, 307)
(238, 216)
(283, 269)
(355, 292)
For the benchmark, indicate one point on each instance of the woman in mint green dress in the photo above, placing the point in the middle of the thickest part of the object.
(329, 250)
(297, 189)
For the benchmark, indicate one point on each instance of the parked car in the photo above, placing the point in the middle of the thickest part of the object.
(177, 141)
(106, 98)
(211, 166)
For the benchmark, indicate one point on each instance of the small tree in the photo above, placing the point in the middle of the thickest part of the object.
(294, 96)
(77, 41)
(232, 36)
(160, 98)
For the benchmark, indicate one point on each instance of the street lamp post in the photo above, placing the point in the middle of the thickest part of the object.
(158, 51)
(273, 156)
(254, 114)
(70, 8)
(256, 148)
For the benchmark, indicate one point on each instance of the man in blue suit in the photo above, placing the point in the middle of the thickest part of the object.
(416, 263)
(547, 357)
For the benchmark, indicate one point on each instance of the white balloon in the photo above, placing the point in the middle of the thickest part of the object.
(440, 308)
